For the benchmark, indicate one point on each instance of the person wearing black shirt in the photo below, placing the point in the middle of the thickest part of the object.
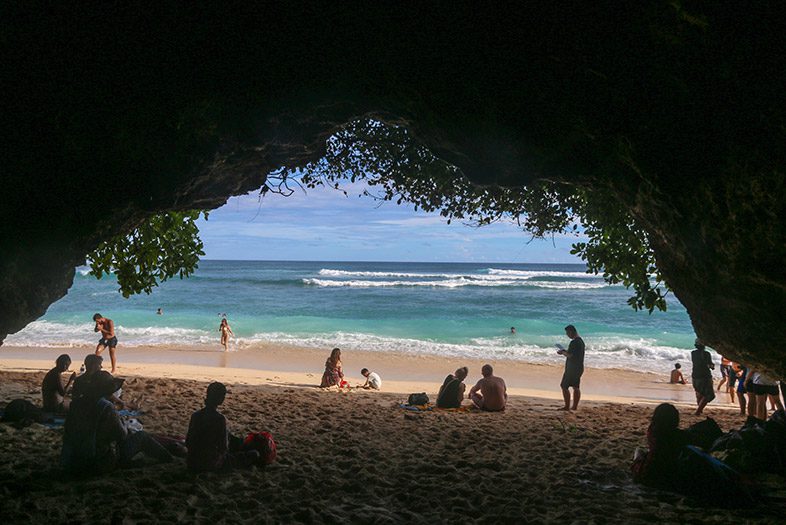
(574, 368)
(701, 376)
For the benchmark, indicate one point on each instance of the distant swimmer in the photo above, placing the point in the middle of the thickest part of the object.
(159, 312)
(226, 331)
(512, 329)
(676, 375)
(108, 338)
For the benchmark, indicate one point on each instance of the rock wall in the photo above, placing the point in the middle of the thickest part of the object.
(676, 109)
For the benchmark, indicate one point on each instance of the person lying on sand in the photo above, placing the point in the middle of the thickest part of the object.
(334, 375)
(490, 393)
(676, 375)
(208, 437)
(95, 439)
(451, 393)
(373, 381)
(53, 392)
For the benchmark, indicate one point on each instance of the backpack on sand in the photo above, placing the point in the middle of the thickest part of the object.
(418, 399)
(263, 443)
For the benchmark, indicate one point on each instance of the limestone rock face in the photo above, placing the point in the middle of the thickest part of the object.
(677, 110)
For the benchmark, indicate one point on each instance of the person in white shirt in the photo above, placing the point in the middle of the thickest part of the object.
(373, 381)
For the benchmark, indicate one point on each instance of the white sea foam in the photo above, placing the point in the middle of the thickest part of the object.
(493, 274)
(455, 283)
(528, 274)
(602, 351)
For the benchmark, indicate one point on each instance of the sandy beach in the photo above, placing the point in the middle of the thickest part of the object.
(356, 457)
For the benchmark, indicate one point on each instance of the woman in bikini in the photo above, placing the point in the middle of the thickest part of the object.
(226, 331)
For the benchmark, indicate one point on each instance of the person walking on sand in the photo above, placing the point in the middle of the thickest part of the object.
(226, 331)
(574, 368)
(108, 338)
(701, 376)
(490, 393)
(333, 375)
(451, 393)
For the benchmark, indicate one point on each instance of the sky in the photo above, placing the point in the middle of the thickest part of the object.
(325, 225)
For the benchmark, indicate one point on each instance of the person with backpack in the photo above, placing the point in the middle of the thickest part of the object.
(451, 393)
(208, 437)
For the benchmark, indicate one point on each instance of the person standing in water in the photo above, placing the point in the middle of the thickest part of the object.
(226, 331)
(108, 337)
(574, 368)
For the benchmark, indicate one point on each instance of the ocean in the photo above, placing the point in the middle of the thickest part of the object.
(451, 309)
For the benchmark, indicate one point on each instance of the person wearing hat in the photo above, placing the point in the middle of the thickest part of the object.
(701, 376)
(95, 439)
(208, 437)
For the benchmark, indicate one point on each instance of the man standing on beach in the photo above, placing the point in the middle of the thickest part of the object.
(490, 393)
(574, 368)
(701, 376)
(108, 337)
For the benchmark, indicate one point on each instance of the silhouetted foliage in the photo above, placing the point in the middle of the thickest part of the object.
(163, 246)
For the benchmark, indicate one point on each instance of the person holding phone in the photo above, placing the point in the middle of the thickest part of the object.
(574, 368)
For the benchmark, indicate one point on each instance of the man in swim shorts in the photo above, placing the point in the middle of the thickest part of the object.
(108, 338)
(574, 368)
(490, 393)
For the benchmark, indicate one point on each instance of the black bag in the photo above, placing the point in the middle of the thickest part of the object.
(704, 433)
(418, 399)
(22, 412)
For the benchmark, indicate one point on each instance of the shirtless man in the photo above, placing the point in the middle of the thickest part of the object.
(108, 338)
(490, 393)
(52, 390)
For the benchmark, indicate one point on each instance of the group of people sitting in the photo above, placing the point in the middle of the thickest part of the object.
(334, 375)
(97, 439)
(489, 393)
(739, 379)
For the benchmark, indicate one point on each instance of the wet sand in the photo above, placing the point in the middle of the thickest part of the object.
(356, 457)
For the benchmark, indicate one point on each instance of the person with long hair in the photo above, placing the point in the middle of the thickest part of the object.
(334, 375)
(226, 331)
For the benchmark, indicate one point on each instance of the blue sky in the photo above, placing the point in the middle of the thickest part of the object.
(325, 225)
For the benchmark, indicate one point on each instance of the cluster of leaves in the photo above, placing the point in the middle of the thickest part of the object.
(399, 169)
(163, 246)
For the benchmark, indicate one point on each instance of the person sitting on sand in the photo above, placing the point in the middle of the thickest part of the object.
(95, 440)
(334, 375)
(373, 381)
(676, 375)
(490, 393)
(52, 390)
(574, 368)
(93, 364)
(701, 376)
(108, 338)
(451, 393)
(657, 466)
(208, 437)
(226, 331)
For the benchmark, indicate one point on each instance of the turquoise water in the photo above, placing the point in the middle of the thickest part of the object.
(456, 309)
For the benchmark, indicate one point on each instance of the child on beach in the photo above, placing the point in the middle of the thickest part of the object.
(373, 381)
(226, 331)
(676, 375)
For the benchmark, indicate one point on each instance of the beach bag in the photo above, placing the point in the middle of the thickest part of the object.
(418, 399)
(709, 480)
(704, 433)
(263, 443)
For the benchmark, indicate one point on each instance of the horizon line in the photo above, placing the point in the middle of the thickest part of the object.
(369, 261)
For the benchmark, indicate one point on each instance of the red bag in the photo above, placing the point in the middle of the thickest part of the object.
(263, 443)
